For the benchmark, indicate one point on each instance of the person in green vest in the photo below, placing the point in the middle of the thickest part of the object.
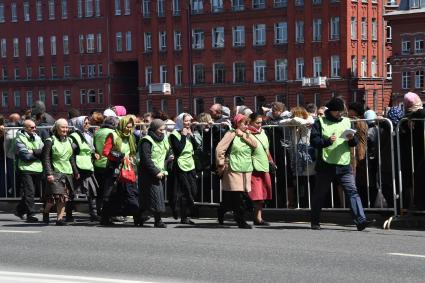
(100, 171)
(182, 143)
(154, 149)
(60, 167)
(120, 196)
(234, 164)
(333, 142)
(28, 146)
(85, 155)
(261, 183)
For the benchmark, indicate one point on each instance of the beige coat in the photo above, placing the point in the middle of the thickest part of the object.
(232, 181)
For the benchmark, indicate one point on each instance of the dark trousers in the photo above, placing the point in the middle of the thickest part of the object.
(236, 201)
(29, 183)
(100, 175)
(323, 185)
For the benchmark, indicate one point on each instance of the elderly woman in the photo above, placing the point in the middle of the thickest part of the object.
(185, 188)
(85, 155)
(236, 169)
(154, 148)
(121, 197)
(59, 165)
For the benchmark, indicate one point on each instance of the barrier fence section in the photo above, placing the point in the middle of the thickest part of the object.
(293, 182)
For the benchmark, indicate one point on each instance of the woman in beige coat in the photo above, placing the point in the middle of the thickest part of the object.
(234, 164)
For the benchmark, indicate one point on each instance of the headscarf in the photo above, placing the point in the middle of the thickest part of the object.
(155, 125)
(395, 114)
(120, 110)
(370, 116)
(110, 122)
(130, 136)
(180, 120)
(237, 119)
(78, 123)
(243, 110)
(412, 102)
(109, 113)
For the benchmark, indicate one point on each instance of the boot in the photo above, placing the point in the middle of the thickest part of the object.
(220, 215)
(240, 219)
(158, 221)
(92, 210)
(68, 209)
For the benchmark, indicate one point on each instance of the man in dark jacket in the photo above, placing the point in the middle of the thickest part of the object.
(330, 137)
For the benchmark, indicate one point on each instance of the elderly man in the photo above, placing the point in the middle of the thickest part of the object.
(28, 150)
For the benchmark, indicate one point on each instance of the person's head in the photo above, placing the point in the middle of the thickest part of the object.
(60, 128)
(29, 126)
(311, 109)
(14, 118)
(147, 118)
(126, 125)
(81, 123)
(86, 124)
(256, 120)
(277, 109)
(321, 111)
(110, 122)
(119, 110)
(96, 118)
(355, 110)
(395, 114)
(157, 127)
(1, 120)
(39, 107)
(240, 122)
(412, 102)
(204, 118)
(244, 110)
(73, 113)
(159, 114)
(299, 112)
(183, 121)
(216, 111)
(370, 115)
(336, 107)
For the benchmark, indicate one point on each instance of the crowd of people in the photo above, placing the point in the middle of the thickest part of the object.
(125, 164)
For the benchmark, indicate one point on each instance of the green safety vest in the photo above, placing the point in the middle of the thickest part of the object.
(99, 143)
(339, 152)
(34, 165)
(159, 152)
(125, 147)
(61, 153)
(185, 160)
(240, 158)
(260, 160)
(84, 157)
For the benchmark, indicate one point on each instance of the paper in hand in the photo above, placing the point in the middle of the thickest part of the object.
(346, 133)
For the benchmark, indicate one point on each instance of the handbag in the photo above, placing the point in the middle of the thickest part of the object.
(127, 174)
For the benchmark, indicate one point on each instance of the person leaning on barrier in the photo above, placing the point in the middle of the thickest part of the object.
(333, 162)
(29, 147)
(59, 165)
(236, 169)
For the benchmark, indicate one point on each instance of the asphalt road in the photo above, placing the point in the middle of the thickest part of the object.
(284, 252)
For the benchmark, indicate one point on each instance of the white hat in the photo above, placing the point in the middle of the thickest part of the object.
(109, 113)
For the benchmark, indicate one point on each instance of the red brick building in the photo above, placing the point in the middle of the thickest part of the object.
(408, 58)
(92, 53)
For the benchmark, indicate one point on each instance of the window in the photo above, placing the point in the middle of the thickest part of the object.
(363, 67)
(118, 41)
(16, 73)
(177, 40)
(4, 99)
(217, 6)
(164, 105)
(53, 45)
(281, 70)
(259, 71)
(364, 28)
(29, 98)
(162, 40)
(218, 37)
(66, 71)
(39, 10)
(127, 7)
(197, 39)
(128, 43)
(374, 67)
(99, 70)
(389, 34)
(15, 47)
(354, 66)
(199, 105)
(280, 3)
(405, 80)
(299, 31)
(17, 98)
(280, 33)
(238, 100)
(2, 20)
(317, 29)
(97, 8)
(219, 73)
(178, 73)
(3, 48)
(51, 9)
(238, 5)
(40, 46)
(299, 3)
(258, 4)
(67, 97)
(161, 8)
(80, 8)
(148, 75)
(299, 68)
(29, 73)
(239, 70)
(64, 9)
(148, 41)
(146, 8)
(179, 106)
(389, 71)
(4, 73)
(419, 46)
(219, 100)
(238, 36)
(91, 71)
(81, 43)
(176, 7)
(419, 79)
(317, 66)
(197, 6)
(117, 7)
(163, 74)
(42, 95)
(259, 35)
(335, 66)
(14, 12)
(353, 28)
(199, 74)
(65, 40)
(405, 47)
(335, 33)
(26, 11)
(149, 107)
(374, 29)
(99, 42)
(100, 96)
(260, 101)
(55, 97)
(41, 72)
(415, 4)
(83, 96)
(27, 46)
(317, 99)
(82, 71)
(89, 8)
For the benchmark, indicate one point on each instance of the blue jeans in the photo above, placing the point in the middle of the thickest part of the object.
(323, 185)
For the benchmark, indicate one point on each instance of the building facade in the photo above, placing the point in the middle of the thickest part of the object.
(89, 54)
(408, 57)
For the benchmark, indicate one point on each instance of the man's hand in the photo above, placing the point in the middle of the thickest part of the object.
(50, 178)
(332, 138)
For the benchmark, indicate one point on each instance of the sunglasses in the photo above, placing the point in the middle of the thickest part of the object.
(32, 128)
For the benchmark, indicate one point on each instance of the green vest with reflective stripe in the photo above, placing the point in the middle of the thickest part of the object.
(339, 152)
(260, 160)
(84, 157)
(159, 152)
(240, 156)
(34, 165)
(61, 153)
(185, 160)
(125, 147)
(99, 143)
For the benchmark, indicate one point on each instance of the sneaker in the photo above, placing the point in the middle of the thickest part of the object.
(187, 221)
(363, 225)
(94, 218)
(315, 226)
(244, 225)
(32, 219)
(61, 222)
(20, 215)
(160, 224)
(261, 223)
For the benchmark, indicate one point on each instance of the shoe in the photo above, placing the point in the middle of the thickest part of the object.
(20, 215)
(32, 219)
(175, 214)
(61, 222)
(315, 227)
(106, 222)
(46, 219)
(160, 224)
(69, 219)
(363, 225)
(220, 216)
(261, 223)
(244, 225)
(94, 218)
(187, 221)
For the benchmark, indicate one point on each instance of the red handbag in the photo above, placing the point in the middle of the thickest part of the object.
(127, 174)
